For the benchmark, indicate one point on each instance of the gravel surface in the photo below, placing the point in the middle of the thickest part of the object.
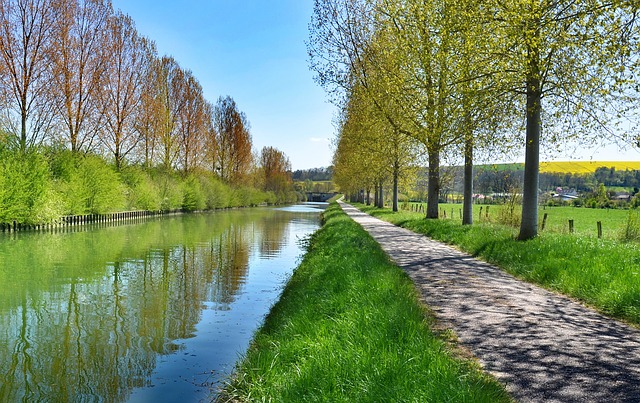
(542, 346)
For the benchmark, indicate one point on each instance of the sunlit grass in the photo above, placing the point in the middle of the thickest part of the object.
(349, 327)
(585, 219)
(604, 273)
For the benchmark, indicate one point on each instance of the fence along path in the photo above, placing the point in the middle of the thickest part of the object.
(542, 346)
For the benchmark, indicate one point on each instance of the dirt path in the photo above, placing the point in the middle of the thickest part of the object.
(543, 347)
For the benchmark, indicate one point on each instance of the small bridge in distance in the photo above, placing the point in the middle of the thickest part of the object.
(319, 196)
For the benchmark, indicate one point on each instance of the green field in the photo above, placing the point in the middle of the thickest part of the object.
(584, 219)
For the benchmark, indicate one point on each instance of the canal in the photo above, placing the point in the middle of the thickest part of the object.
(157, 311)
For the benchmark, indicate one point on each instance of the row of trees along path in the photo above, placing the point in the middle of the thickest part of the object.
(542, 346)
(448, 78)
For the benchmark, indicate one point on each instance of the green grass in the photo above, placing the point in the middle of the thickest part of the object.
(603, 273)
(348, 328)
(585, 219)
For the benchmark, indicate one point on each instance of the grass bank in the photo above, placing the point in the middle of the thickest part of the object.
(603, 273)
(349, 327)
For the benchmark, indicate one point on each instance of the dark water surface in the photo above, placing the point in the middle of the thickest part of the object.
(151, 312)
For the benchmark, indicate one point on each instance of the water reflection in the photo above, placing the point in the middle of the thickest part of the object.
(92, 315)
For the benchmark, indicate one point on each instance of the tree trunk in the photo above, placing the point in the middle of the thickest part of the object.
(467, 204)
(529, 223)
(433, 189)
(376, 195)
(395, 189)
(380, 196)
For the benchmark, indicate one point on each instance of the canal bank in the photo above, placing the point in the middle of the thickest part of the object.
(349, 327)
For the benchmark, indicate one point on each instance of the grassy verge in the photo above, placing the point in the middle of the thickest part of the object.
(604, 273)
(349, 327)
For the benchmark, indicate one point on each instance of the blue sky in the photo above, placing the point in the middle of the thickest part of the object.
(254, 51)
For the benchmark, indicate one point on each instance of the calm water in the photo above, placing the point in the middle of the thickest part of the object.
(151, 312)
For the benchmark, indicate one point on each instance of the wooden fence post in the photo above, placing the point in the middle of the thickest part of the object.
(571, 226)
(544, 221)
(599, 229)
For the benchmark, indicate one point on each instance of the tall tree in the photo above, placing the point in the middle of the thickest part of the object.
(25, 44)
(170, 101)
(276, 169)
(78, 45)
(148, 122)
(193, 124)
(234, 158)
(120, 94)
(556, 52)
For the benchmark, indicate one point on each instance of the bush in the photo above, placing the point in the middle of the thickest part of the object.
(142, 192)
(511, 212)
(193, 198)
(631, 231)
(25, 188)
(169, 189)
(93, 187)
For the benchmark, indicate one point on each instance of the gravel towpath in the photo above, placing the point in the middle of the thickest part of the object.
(543, 347)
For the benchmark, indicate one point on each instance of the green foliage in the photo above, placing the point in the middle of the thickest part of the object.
(25, 191)
(631, 231)
(169, 189)
(92, 187)
(37, 187)
(217, 193)
(194, 197)
(142, 192)
(349, 327)
(511, 211)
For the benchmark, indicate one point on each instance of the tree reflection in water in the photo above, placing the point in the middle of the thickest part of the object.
(86, 315)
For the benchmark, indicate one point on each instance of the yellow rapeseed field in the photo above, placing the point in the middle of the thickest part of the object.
(585, 167)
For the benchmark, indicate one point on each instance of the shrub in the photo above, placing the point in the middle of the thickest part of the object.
(511, 212)
(169, 189)
(193, 198)
(142, 193)
(93, 187)
(25, 186)
(631, 230)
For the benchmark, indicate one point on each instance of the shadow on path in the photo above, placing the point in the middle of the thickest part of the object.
(542, 346)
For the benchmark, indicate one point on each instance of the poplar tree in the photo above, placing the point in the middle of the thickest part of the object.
(25, 53)
(78, 64)
(233, 157)
(122, 85)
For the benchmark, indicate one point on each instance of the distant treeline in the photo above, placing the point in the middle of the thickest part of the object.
(506, 179)
(313, 174)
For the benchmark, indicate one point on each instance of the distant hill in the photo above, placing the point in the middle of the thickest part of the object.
(586, 167)
(573, 167)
